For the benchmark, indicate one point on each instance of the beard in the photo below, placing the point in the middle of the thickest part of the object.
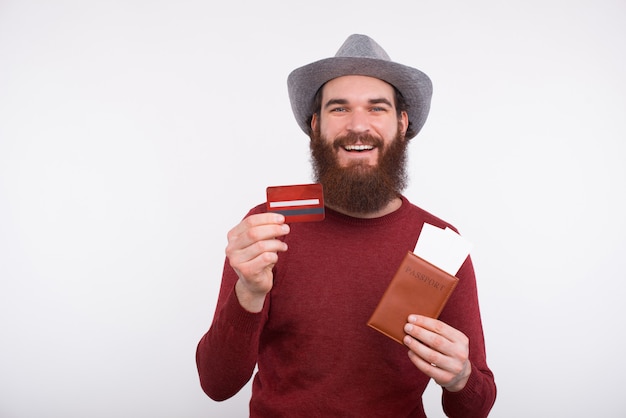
(360, 188)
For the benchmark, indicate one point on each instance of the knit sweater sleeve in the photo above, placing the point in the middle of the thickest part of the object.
(227, 354)
(475, 400)
(478, 396)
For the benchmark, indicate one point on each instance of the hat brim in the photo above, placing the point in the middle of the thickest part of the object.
(304, 82)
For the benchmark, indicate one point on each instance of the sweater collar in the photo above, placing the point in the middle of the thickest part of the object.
(385, 219)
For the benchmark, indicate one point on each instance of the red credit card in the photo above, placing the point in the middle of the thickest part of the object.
(299, 203)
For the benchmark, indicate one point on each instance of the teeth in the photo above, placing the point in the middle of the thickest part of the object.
(358, 147)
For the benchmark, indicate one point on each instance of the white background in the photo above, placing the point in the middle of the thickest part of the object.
(134, 134)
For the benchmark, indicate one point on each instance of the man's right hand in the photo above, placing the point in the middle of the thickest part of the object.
(252, 251)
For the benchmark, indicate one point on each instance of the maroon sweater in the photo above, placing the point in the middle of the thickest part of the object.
(316, 356)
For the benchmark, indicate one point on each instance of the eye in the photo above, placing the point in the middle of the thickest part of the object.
(338, 109)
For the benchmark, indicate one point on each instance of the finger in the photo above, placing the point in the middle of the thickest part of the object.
(448, 372)
(257, 220)
(260, 254)
(257, 271)
(432, 338)
(440, 337)
(256, 228)
(436, 326)
(440, 345)
(425, 355)
(437, 371)
(258, 240)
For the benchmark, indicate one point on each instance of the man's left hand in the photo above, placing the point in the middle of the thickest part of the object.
(439, 351)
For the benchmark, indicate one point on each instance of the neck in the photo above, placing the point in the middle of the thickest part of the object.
(390, 207)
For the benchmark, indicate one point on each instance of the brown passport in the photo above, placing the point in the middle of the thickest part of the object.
(418, 287)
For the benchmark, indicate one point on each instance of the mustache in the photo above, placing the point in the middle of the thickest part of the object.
(357, 138)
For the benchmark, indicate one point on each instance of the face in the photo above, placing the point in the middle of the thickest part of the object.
(358, 146)
(358, 106)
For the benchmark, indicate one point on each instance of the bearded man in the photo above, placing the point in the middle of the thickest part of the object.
(295, 299)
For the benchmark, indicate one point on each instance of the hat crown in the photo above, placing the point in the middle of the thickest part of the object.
(359, 55)
(362, 46)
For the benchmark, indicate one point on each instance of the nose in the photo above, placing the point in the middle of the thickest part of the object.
(358, 122)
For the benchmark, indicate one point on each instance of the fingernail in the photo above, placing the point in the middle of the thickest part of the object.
(408, 327)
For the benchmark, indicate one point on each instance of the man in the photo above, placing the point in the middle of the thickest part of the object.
(295, 299)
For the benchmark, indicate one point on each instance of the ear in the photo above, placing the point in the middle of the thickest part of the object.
(314, 122)
(404, 120)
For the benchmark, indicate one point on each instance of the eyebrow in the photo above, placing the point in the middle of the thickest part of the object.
(333, 102)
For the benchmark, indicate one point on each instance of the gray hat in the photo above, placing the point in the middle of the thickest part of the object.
(359, 55)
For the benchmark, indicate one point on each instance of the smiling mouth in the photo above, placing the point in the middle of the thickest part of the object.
(358, 148)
